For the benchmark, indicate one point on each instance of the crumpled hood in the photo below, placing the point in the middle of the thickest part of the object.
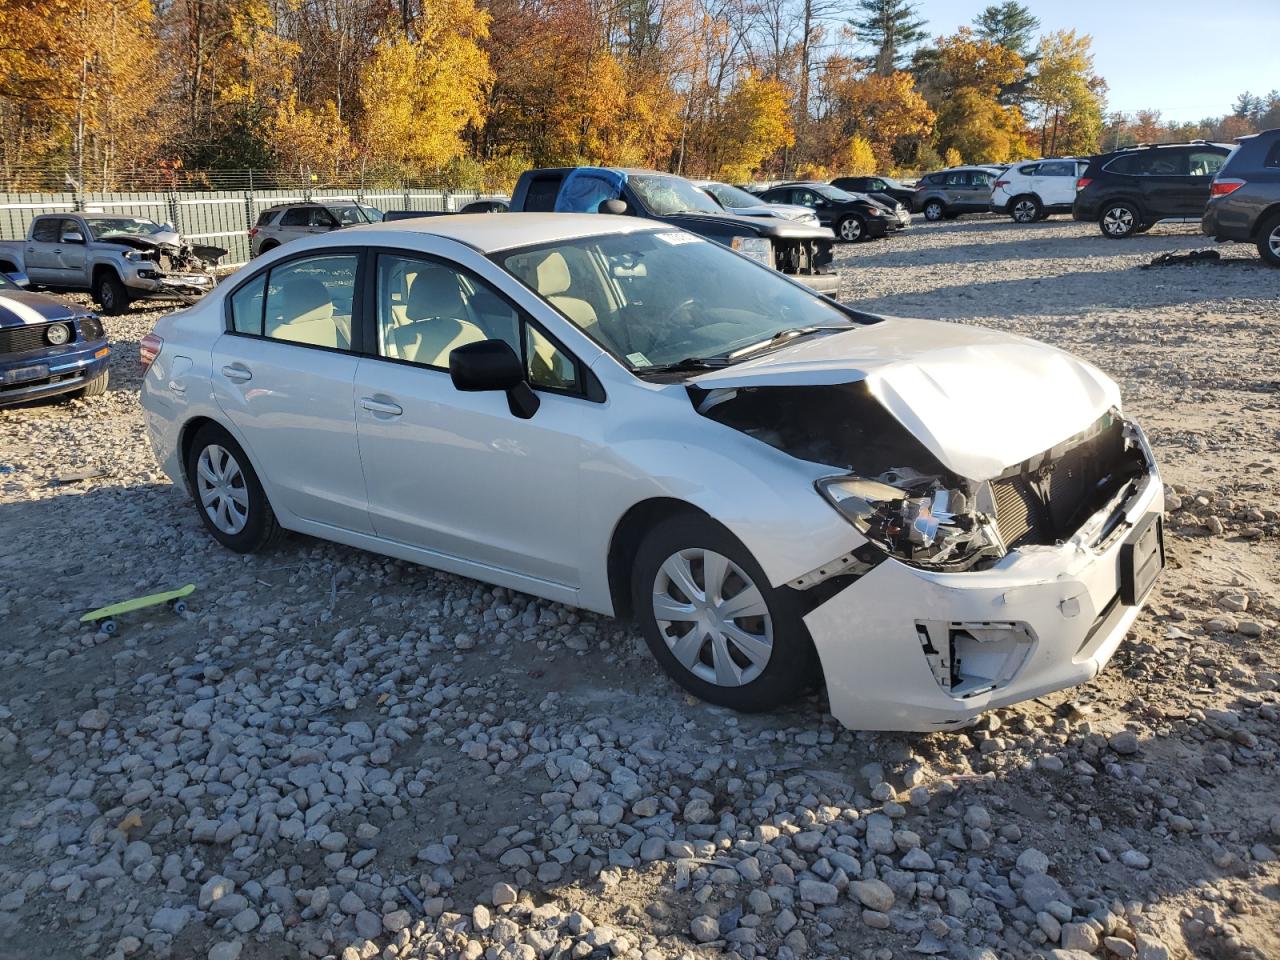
(980, 400)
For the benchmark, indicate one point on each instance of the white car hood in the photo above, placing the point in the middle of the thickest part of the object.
(980, 400)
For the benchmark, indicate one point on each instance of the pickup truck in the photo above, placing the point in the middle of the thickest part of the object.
(800, 250)
(117, 258)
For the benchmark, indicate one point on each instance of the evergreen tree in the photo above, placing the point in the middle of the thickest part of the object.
(1011, 25)
(890, 27)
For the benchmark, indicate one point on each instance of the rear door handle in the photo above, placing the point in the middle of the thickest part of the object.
(384, 407)
(237, 372)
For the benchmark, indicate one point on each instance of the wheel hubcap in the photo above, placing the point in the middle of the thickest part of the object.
(850, 229)
(1273, 242)
(107, 297)
(1118, 220)
(712, 617)
(1024, 211)
(933, 211)
(223, 494)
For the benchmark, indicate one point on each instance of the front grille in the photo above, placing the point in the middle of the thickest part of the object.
(1050, 502)
(27, 338)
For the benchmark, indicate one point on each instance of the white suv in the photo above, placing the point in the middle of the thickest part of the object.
(1032, 191)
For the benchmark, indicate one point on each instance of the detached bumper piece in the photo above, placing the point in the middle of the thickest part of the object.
(808, 261)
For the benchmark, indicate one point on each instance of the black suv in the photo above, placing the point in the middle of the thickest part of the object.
(882, 185)
(851, 217)
(1244, 202)
(1128, 191)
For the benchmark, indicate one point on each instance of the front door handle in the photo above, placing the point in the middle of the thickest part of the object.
(384, 407)
(237, 372)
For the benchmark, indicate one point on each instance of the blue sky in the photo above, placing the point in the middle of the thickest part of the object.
(1186, 58)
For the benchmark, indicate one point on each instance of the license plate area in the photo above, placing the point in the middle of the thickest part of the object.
(1141, 559)
(22, 374)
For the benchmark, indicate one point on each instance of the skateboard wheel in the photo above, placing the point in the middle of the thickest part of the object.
(179, 606)
(108, 627)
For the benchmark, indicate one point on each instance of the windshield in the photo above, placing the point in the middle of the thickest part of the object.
(373, 214)
(130, 226)
(658, 298)
(732, 196)
(833, 193)
(348, 214)
(668, 195)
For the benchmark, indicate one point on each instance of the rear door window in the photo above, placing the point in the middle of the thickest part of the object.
(296, 217)
(1057, 168)
(46, 230)
(310, 300)
(957, 178)
(1204, 163)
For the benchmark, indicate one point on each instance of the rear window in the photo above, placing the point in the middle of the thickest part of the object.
(542, 193)
(1058, 168)
(1029, 169)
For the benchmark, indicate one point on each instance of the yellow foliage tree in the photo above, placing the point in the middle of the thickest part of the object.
(753, 124)
(310, 141)
(886, 111)
(420, 94)
(952, 157)
(970, 75)
(858, 159)
(1067, 94)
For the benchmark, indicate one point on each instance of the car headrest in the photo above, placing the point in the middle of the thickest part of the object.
(435, 293)
(302, 296)
(553, 275)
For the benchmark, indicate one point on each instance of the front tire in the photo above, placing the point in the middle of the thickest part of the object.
(712, 620)
(227, 492)
(1269, 240)
(852, 229)
(110, 293)
(1026, 209)
(934, 210)
(95, 387)
(1119, 219)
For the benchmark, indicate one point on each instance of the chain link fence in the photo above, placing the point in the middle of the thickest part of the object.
(219, 218)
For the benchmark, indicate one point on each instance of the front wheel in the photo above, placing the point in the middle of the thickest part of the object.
(712, 620)
(934, 210)
(1269, 240)
(852, 229)
(110, 293)
(227, 492)
(94, 388)
(1119, 220)
(1026, 210)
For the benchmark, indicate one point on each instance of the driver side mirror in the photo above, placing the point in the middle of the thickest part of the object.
(492, 365)
(72, 236)
(615, 207)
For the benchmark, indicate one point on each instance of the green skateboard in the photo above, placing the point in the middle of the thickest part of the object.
(176, 599)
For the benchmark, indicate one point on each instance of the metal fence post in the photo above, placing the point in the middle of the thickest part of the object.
(248, 208)
(172, 200)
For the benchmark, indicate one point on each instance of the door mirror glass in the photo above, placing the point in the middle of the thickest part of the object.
(615, 207)
(492, 365)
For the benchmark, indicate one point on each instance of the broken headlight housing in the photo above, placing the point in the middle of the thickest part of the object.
(756, 248)
(920, 522)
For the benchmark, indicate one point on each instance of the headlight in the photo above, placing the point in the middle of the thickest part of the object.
(876, 212)
(133, 255)
(927, 526)
(58, 334)
(757, 248)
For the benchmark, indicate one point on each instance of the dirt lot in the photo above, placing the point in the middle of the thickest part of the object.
(334, 754)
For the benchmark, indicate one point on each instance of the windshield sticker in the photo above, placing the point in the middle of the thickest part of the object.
(677, 237)
(639, 359)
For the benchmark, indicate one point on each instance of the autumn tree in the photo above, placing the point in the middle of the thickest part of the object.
(970, 74)
(1068, 95)
(753, 123)
(890, 28)
(887, 112)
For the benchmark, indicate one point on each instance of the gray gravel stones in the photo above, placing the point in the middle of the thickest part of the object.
(873, 894)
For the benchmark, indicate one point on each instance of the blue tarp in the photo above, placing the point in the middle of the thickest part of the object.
(585, 188)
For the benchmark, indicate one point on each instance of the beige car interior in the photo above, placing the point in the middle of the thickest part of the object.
(301, 310)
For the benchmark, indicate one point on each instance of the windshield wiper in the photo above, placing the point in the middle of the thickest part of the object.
(779, 338)
(688, 363)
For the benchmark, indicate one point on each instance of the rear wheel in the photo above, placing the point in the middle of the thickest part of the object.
(231, 501)
(1026, 209)
(852, 229)
(934, 210)
(1119, 219)
(110, 293)
(713, 621)
(1269, 240)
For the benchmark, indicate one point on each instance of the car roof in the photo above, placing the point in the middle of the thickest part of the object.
(503, 231)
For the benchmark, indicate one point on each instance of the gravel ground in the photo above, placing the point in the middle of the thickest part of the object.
(336, 755)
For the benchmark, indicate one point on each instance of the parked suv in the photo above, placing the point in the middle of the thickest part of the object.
(947, 194)
(290, 221)
(853, 217)
(1129, 191)
(1244, 202)
(1032, 191)
(882, 185)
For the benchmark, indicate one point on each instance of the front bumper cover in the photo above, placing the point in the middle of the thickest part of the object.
(1043, 619)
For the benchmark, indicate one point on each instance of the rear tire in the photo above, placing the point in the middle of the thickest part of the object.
(934, 210)
(1026, 209)
(1269, 240)
(227, 493)
(110, 293)
(754, 661)
(95, 387)
(1119, 219)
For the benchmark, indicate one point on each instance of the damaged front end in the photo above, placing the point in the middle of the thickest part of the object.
(911, 507)
(166, 266)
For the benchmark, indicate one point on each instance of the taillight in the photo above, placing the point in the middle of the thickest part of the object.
(253, 232)
(1002, 183)
(1083, 182)
(149, 349)
(1220, 188)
